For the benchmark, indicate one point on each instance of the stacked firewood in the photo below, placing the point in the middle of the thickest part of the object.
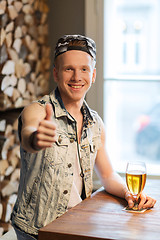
(9, 165)
(24, 77)
(24, 52)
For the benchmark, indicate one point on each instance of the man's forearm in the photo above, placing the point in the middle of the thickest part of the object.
(115, 185)
(28, 139)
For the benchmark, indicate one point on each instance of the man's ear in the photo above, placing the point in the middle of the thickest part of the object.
(94, 75)
(55, 74)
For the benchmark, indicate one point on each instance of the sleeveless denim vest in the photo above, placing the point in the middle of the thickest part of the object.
(47, 176)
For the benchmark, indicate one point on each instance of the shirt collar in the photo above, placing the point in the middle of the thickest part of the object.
(60, 110)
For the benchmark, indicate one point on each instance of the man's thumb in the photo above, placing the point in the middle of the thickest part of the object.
(49, 111)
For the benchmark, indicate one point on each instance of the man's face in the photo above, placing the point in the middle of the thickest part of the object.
(74, 73)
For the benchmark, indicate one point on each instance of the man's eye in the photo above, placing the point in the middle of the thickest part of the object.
(84, 69)
(68, 69)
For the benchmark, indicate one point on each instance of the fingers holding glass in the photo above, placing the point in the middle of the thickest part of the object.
(136, 179)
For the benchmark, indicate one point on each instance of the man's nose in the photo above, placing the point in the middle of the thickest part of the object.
(76, 75)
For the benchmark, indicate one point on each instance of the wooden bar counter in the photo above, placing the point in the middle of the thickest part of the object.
(102, 217)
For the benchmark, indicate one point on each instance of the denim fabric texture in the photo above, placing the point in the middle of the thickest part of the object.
(23, 236)
(47, 176)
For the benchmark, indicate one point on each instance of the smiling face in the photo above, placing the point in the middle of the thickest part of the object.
(74, 73)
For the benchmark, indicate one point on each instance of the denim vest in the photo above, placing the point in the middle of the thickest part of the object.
(47, 176)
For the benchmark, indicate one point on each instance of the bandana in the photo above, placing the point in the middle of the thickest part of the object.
(62, 45)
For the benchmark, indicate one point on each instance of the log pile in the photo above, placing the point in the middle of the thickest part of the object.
(24, 77)
(9, 165)
(24, 52)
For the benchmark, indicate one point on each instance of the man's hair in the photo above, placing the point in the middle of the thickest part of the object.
(80, 43)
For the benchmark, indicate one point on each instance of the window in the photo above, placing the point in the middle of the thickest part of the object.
(127, 89)
(132, 82)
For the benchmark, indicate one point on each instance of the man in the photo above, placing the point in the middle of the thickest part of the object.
(61, 141)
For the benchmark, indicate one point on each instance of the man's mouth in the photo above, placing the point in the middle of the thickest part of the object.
(75, 86)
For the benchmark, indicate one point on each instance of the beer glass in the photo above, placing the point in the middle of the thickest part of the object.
(136, 179)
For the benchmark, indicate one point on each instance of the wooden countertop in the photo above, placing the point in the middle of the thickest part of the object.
(102, 217)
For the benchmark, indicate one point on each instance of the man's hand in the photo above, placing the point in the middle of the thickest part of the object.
(45, 135)
(145, 201)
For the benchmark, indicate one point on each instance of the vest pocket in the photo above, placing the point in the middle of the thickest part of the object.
(56, 155)
(62, 140)
(95, 144)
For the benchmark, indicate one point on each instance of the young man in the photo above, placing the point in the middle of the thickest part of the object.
(62, 139)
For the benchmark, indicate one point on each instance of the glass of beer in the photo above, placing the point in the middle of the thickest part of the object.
(136, 179)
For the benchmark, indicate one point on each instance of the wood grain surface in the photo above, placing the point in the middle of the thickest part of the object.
(102, 217)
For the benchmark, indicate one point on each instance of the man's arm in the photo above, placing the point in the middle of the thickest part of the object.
(112, 182)
(38, 131)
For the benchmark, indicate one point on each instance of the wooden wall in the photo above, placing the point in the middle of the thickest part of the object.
(24, 77)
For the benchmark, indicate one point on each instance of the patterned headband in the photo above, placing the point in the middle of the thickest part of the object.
(63, 45)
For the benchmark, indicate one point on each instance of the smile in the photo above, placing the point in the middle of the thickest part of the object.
(75, 86)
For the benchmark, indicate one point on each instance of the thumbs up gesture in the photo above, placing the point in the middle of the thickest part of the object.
(49, 111)
(46, 132)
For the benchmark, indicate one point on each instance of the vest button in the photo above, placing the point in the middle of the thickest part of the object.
(71, 140)
(59, 139)
(65, 192)
(69, 165)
